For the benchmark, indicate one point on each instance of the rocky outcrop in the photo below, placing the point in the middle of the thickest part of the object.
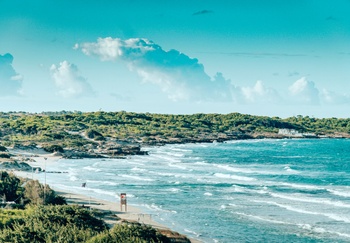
(14, 165)
(114, 149)
(74, 154)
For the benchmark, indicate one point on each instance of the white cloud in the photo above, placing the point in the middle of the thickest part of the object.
(260, 94)
(69, 82)
(304, 91)
(178, 75)
(330, 97)
(10, 80)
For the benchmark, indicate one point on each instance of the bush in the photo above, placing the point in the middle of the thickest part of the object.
(53, 148)
(3, 149)
(38, 194)
(9, 186)
(5, 155)
(90, 133)
(53, 224)
(128, 232)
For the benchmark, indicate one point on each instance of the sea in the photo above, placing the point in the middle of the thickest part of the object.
(285, 190)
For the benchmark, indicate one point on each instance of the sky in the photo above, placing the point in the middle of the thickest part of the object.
(270, 58)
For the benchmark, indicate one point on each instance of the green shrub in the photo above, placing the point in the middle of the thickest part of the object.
(3, 149)
(127, 232)
(53, 148)
(53, 224)
(38, 194)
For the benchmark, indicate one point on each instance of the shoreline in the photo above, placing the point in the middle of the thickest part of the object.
(113, 214)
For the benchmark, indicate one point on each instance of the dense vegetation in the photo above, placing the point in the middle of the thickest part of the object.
(39, 218)
(23, 192)
(83, 130)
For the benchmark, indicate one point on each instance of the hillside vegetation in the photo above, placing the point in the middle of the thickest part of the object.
(84, 131)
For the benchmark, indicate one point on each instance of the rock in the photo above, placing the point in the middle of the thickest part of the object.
(25, 146)
(3, 149)
(72, 154)
(14, 165)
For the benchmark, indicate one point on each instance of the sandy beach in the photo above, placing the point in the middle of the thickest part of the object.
(113, 214)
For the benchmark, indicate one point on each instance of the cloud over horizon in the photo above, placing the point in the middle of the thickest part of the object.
(10, 80)
(69, 81)
(305, 92)
(184, 78)
(178, 75)
(260, 94)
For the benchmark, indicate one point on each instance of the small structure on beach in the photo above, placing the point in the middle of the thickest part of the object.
(123, 201)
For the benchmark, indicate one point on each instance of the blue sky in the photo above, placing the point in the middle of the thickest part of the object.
(275, 58)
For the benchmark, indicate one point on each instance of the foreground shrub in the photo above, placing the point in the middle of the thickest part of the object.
(53, 148)
(10, 189)
(127, 232)
(52, 224)
(37, 193)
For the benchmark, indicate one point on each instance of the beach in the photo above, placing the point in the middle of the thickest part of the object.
(112, 211)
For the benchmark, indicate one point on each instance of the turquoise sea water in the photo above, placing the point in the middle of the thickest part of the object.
(239, 191)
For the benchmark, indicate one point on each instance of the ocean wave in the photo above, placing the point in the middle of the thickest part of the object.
(339, 193)
(192, 232)
(110, 183)
(134, 177)
(90, 168)
(247, 171)
(303, 211)
(300, 198)
(167, 158)
(138, 169)
(174, 190)
(307, 227)
(208, 194)
(302, 186)
(234, 177)
(155, 207)
(73, 178)
(178, 166)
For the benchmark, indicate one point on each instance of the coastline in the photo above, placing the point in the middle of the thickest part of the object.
(37, 158)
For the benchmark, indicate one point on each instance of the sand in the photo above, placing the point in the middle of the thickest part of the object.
(112, 210)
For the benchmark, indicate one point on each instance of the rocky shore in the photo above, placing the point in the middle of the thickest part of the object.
(120, 149)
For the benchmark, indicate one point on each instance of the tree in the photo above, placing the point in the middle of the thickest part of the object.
(38, 194)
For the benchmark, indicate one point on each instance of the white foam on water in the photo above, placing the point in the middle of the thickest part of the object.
(110, 183)
(134, 177)
(138, 169)
(208, 194)
(155, 207)
(246, 171)
(177, 166)
(339, 193)
(73, 178)
(192, 232)
(307, 227)
(290, 170)
(302, 211)
(165, 158)
(181, 150)
(239, 189)
(322, 230)
(135, 163)
(90, 168)
(81, 190)
(174, 190)
(302, 186)
(234, 177)
(300, 198)
(262, 218)
(96, 164)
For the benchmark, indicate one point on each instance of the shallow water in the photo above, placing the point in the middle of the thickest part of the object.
(239, 191)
